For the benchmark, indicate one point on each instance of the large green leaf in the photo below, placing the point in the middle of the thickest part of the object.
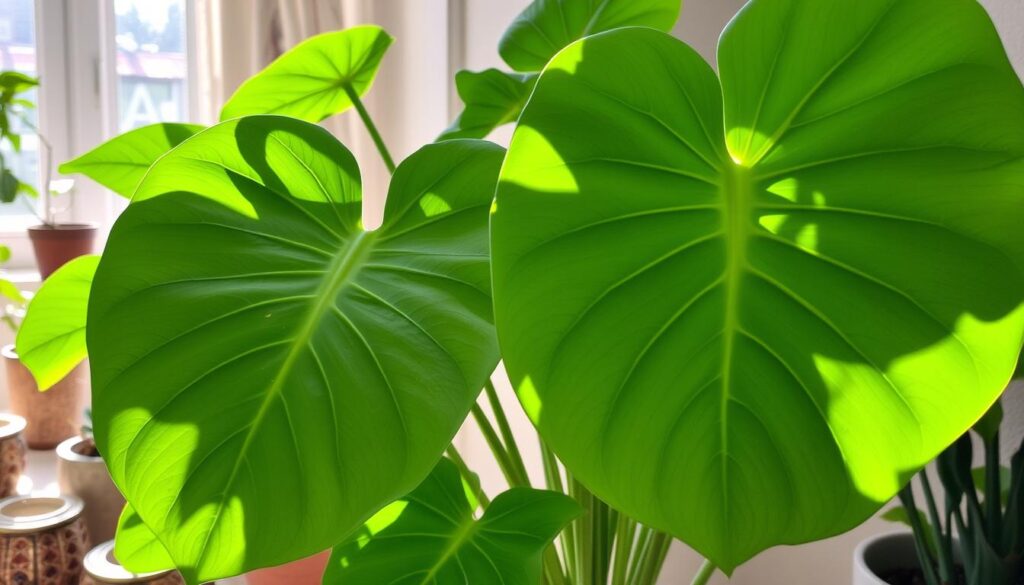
(492, 97)
(545, 27)
(315, 79)
(432, 536)
(755, 336)
(120, 163)
(51, 339)
(266, 373)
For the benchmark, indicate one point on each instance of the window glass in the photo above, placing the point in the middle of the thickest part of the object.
(18, 53)
(152, 63)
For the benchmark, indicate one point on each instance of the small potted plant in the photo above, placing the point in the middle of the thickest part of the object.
(54, 243)
(82, 472)
(972, 536)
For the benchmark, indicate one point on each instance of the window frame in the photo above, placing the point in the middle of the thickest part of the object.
(77, 66)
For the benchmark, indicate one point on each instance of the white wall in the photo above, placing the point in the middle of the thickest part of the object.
(827, 561)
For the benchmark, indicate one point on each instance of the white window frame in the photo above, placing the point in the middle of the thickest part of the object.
(76, 56)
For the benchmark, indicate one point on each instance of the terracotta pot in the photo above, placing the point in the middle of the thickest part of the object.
(54, 245)
(51, 416)
(881, 554)
(12, 453)
(101, 568)
(86, 477)
(42, 540)
(307, 571)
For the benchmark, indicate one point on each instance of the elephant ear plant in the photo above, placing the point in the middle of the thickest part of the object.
(739, 326)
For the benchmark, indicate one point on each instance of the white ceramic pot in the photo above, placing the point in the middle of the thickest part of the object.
(885, 552)
(101, 568)
(86, 476)
(882, 553)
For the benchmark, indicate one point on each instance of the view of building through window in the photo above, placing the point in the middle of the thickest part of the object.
(151, 62)
(151, 73)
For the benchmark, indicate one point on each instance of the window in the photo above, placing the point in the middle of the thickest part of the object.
(105, 66)
(18, 53)
(152, 64)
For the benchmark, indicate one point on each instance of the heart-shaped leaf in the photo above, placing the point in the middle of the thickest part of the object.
(492, 97)
(754, 336)
(266, 373)
(120, 163)
(545, 27)
(432, 536)
(315, 79)
(51, 339)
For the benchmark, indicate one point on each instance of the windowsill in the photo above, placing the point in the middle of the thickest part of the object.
(21, 276)
(17, 225)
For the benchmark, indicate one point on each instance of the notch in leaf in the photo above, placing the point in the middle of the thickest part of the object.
(318, 78)
(433, 536)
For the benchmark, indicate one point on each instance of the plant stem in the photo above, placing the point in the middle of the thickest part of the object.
(704, 574)
(654, 559)
(625, 535)
(370, 127)
(469, 476)
(584, 535)
(601, 539)
(993, 491)
(927, 563)
(44, 189)
(514, 456)
(946, 570)
(491, 437)
(515, 475)
(552, 474)
(640, 552)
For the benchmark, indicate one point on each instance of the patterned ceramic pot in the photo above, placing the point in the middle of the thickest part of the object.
(43, 540)
(86, 476)
(12, 453)
(102, 568)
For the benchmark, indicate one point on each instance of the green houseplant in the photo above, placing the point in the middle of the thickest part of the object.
(54, 243)
(724, 322)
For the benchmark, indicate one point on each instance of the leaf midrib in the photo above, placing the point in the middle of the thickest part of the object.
(340, 271)
(737, 194)
(463, 533)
